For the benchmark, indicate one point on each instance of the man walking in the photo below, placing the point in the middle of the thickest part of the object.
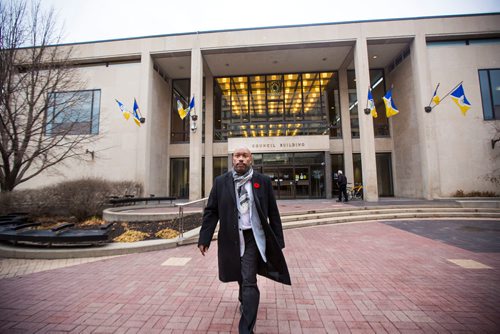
(342, 182)
(250, 235)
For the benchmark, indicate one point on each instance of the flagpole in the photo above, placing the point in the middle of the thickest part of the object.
(435, 91)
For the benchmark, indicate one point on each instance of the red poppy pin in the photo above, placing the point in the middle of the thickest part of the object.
(256, 185)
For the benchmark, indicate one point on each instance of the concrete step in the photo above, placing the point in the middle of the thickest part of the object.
(389, 216)
(371, 211)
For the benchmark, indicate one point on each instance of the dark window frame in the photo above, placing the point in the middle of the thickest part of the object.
(71, 128)
(489, 89)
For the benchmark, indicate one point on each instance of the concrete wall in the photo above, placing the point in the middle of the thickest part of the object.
(116, 151)
(160, 130)
(464, 143)
(404, 132)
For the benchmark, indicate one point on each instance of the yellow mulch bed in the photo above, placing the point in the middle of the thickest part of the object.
(131, 236)
(167, 233)
(93, 221)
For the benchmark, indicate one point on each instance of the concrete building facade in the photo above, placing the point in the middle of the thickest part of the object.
(296, 97)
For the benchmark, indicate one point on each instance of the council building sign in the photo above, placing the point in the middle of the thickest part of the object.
(280, 144)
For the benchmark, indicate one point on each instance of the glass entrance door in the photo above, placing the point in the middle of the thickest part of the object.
(286, 186)
(302, 182)
(289, 182)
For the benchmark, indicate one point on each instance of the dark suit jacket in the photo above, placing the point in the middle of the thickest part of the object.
(222, 207)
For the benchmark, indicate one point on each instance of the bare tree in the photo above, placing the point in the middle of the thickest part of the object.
(43, 115)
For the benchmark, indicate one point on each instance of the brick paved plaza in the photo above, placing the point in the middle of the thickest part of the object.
(371, 277)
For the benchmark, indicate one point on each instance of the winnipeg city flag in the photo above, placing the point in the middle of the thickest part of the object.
(390, 107)
(125, 113)
(184, 112)
(136, 113)
(371, 104)
(458, 96)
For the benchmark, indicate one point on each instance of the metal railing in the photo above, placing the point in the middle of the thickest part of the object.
(181, 213)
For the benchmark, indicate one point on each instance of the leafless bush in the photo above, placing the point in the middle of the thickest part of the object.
(461, 193)
(81, 199)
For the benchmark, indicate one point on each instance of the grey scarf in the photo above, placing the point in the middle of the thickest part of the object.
(240, 181)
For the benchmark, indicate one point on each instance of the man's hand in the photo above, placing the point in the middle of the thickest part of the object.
(203, 249)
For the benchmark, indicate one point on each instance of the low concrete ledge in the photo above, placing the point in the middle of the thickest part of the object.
(109, 249)
(149, 213)
(483, 203)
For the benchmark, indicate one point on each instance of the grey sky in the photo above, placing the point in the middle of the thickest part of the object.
(90, 20)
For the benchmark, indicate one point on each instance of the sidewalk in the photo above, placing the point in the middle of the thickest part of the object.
(372, 277)
(294, 205)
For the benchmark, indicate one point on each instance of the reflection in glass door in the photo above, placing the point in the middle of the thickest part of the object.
(302, 182)
(289, 182)
(272, 173)
(287, 188)
(282, 180)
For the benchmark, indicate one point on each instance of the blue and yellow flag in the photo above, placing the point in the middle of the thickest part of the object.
(136, 113)
(125, 113)
(390, 107)
(191, 104)
(458, 95)
(184, 112)
(371, 104)
(180, 109)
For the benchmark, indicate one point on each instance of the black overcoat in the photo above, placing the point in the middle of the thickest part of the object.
(222, 207)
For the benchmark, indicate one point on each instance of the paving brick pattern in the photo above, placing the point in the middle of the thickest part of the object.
(351, 278)
(20, 267)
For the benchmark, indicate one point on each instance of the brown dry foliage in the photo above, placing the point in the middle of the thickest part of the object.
(81, 199)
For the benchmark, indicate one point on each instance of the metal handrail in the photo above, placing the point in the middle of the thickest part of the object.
(181, 214)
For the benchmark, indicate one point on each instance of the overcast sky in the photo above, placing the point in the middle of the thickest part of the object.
(92, 20)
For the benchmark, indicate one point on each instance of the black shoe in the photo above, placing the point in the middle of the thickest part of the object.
(339, 200)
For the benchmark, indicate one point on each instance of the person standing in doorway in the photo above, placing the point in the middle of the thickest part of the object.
(342, 182)
(250, 238)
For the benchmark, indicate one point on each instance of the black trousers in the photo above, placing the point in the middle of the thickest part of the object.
(343, 190)
(249, 295)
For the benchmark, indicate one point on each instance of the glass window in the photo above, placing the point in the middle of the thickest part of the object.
(489, 81)
(277, 159)
(331, 101)
(276, 105)
(381, 123)
(358, 168)
(384, 174)
(337, 164)
(353, 103)
(220, 166)
(179, 177)
(377, 82)
(258, 109)
(73, 113)
(309, 158)
(180, 127)
(293, 97)
(275, 96)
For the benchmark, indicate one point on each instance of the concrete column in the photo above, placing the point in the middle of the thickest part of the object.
(346, 124)
(328, 174)
(209, 132)
(144, 143)
(366, 134)
(195, 142)
(429, 161)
